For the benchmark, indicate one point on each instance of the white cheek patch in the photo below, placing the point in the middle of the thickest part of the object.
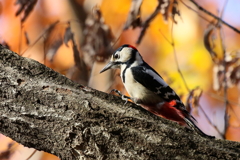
(123, 58)
(125, 54)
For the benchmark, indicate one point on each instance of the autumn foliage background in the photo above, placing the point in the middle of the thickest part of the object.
(76, 37)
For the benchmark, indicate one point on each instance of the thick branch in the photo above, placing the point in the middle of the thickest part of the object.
(43, 109)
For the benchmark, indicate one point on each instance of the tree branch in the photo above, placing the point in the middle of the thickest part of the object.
(214, 16)
(42, 109)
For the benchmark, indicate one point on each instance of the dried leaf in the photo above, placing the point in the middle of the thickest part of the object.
(68, 35)
(217, 77)
(174, 10)
(26, 6)
(232, 64)
(79, 72)
(9, 151)
(235, 74)
(97, 39)
(208, 42)
(234, 68)
(193, 100)
(166, 8)
(146, 24)
(232, 57)
(57, 34)
(27, 38)
(169, 8)
(134, 18)
(76, 54)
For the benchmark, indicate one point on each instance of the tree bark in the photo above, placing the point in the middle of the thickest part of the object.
(43, 109)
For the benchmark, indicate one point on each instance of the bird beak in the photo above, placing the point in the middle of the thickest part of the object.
(108, 66)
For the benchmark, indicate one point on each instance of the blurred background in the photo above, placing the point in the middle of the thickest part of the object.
(195, 53)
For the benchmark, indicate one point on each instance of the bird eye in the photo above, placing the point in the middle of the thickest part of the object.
(116, 56)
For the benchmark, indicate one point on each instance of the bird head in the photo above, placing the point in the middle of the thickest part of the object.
(125, 54)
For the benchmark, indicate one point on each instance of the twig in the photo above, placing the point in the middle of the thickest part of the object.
(220, 98)
(210, 122)
(134, 18)
(176, 60)
(147, 22)
(214, 16)
(178, 68)
(117, 39)
(175, 55)
(32, 154)
(195, 11)
(20, 38)
(41, 35)
(165, 37)
(45, 31)
(225, 69)
(234, 112)
(191, 96)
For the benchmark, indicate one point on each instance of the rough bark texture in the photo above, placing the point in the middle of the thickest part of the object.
(42, 109)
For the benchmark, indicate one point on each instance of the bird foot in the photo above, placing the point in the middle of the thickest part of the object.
(125, 98)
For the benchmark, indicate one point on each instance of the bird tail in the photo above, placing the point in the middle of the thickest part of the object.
(194, 127)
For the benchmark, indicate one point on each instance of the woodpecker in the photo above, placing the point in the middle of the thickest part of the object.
(148, 89)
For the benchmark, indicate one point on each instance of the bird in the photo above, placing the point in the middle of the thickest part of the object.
(148, 89)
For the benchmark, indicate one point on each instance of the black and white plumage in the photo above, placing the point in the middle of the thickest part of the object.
(147, 88)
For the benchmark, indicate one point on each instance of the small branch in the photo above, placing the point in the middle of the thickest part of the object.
(193, 102)
(147, 22)
(176, 60)
(234, 112)
(225, 69)
(175, 55)
(32, 154)
(214, 16)
(45, 31)
(195, 11)
(221, 99)
(41, 35)
(20, 38)
(210, 122)
(134, 18)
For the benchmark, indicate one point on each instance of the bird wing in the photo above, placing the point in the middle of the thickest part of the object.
(150, 79)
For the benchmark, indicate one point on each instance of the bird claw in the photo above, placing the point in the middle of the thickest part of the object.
(125, 98)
